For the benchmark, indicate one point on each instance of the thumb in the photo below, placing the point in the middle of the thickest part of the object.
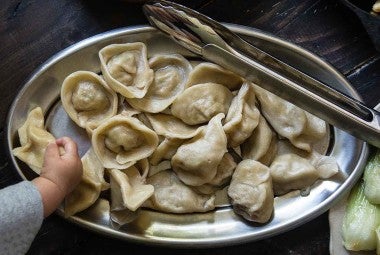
(52, 150)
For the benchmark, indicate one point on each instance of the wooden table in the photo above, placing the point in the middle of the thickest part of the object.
(31, 31)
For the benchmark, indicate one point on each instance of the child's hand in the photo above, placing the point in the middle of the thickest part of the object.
(60, 174)
(63, 169)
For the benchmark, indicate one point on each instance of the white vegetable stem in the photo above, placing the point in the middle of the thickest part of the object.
(372, 178)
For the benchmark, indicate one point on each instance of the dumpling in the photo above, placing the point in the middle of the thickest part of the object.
(261, 143)
(128, 189)
(171, 73)
(87, 99)
(125, 68)
(251, 191)
(33, 139)
(290, 121)
(165, 150)
(172, 196)
(171, 127)
(242, 117)
(199, 103)
(223, 175)
(209, 72)
(122, 140)
(292, 172)
(88, 190)
(196, 161)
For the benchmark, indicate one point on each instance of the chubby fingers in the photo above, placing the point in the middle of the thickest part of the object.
(71, 148)
(52, 150)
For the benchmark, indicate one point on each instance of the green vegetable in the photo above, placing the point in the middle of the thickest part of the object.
(360, 221)
(372, 178)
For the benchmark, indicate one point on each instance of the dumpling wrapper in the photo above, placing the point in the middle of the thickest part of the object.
(171, 72)
(251, 191)
(122, 140)
(165, 150)
(223, 175)
(173, 196)
(199, 103)
(87, 99)
(125, 68)
(292, 172)
(33, 139)
(209, 72)
(90, 186)
(242, 117)
(261, 145)
(290, 121)
(171, 127)
(196, 161)
(128, 190)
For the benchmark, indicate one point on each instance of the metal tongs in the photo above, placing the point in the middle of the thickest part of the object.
(216, 43)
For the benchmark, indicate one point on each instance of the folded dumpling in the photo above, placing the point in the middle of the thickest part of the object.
(33, 139)
(128, 189)
(290, 121)
(165, 150)
(251, 191)
(196, 160)
(261, 145)
(122, 140)
(171, 72)
(173, 196)
(199, 103)
(209, 72)
(242, 117)
(90, 186)
(292, 172)
(125, 68)
(87, 99)
(223, 175)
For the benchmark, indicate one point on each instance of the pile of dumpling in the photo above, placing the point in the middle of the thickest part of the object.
(167, 134)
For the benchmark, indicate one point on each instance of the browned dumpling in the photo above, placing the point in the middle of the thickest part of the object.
(88, 190)
(251, 191)
(122, 140)
(33, 139)
(87, 99)
(173, 196)
(210, 72)
(199, 103)
(125, 68)
(171, 73)
(242, 117)
(196, 161)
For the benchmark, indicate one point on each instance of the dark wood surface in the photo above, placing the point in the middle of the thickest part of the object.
(31, 31)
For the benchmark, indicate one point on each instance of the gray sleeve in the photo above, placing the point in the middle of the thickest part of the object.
(21, 216)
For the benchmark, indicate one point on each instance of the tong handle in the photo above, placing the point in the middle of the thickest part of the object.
(364, 126)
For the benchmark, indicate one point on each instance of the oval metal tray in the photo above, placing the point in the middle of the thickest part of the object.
(221, 226)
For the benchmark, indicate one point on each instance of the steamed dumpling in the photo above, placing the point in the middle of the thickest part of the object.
(290, 121)
(128, 189)
(251, 191)
(261, 145)
(33, 139)
(173, 196)
(292, 172)
(125, 68)
(122, 140)
(87, 99)
(199, 103)
(170, 76)
(210, 72)
(88, 190)
(196, 161)
(243, 116)
(165, 150)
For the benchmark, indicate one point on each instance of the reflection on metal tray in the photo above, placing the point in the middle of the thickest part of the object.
(221, 226)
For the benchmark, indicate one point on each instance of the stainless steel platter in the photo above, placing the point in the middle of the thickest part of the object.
(216, 228)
